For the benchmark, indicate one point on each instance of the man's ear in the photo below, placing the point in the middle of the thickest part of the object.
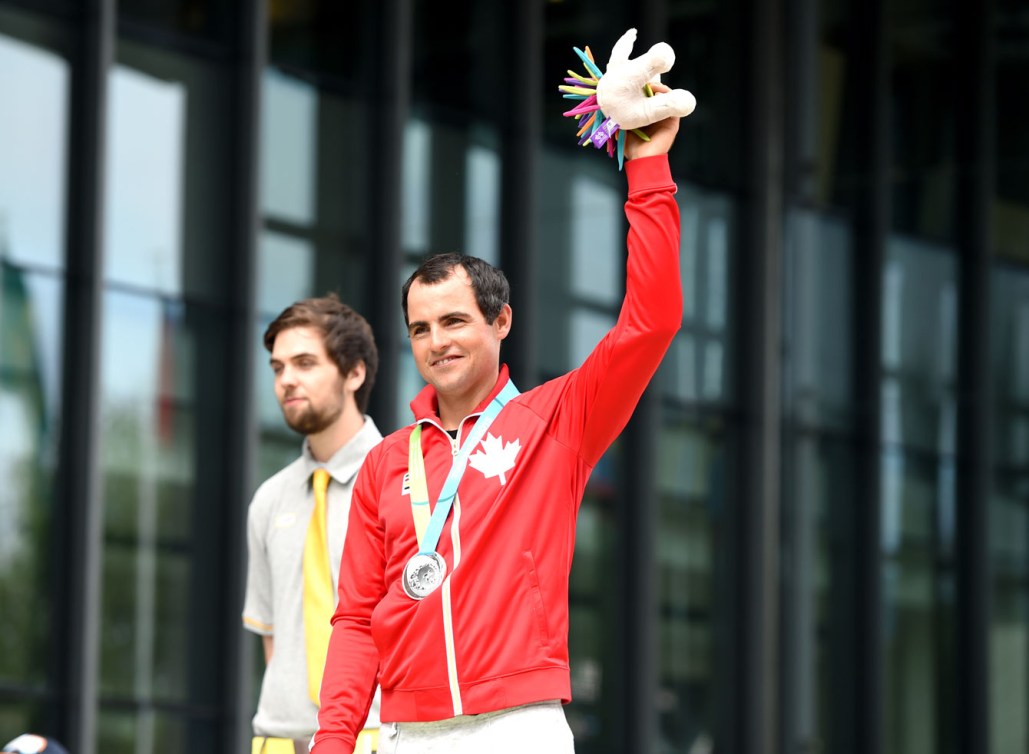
(502, 324)
(355, 378)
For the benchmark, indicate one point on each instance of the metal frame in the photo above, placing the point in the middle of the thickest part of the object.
(974, 202)
(872, 217)
(249, 62)
(389, 101)
(758, 378)
(753, 707)
(80, 531)
(519, 248)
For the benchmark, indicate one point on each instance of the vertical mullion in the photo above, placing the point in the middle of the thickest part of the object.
(521, 142)
(639, 514)
(760, 311)
(389, 101)
(975, 187)
(872, 218)
(250, 57)
(78, 483)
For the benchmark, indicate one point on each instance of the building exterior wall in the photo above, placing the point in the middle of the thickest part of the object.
(814, 533)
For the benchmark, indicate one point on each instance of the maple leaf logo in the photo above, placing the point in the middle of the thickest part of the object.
(496, 457)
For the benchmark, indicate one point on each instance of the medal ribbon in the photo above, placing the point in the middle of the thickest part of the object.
(429, 528)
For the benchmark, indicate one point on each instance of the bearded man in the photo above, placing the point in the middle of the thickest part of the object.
(324, 359)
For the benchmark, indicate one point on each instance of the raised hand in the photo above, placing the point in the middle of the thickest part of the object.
(621, 94)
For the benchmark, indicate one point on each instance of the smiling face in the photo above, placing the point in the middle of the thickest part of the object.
(455, 349)
(311, 391)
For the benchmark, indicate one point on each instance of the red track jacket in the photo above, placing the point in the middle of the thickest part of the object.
(495, 634)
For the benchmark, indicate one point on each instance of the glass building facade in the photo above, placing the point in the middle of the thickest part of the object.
(813, 536)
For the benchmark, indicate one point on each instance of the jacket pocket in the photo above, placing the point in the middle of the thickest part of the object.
(536, 597)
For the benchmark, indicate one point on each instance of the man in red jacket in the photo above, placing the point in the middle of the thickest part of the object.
(462, 525)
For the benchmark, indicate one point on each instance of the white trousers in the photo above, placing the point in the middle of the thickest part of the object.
(537, 728)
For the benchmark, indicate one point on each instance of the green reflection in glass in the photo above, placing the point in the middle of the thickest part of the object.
(689, 464)
(1009, 512)
(148, 482)
(29, 339)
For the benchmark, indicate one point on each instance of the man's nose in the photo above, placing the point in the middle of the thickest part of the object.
(439, 338)
(287, 376)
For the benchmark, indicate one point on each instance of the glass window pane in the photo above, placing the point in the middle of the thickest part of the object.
(145, 181)
(819, 505)
(329, 39)
(918, 600)
(148, 475)
(314, 186)
(818, 321)
(162, 449)
(168, 185)
(30, 336)
(919, 349)
(1009, 513)
(698, 367)
(1011, 144)
(35, 89)
(209, 20)
(691, 462)
(923, 110)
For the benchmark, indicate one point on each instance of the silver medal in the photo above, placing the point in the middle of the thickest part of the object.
(423, 574)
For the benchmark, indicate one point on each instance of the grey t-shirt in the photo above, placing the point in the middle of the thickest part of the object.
(276, 530)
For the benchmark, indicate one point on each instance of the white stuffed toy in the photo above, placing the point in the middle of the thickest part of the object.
(621, 92)
(621, 97)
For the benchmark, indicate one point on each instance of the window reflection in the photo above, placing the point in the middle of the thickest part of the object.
(918, 488)
(690, 459)
(598, 259)
(289, 109)
(919, 333)
(285, 272)
(697, 368)
(1009, 513)
(415, 187)
(34, 90)
(482, 204)
(148, 471)
(819, 508)
(450, 190)
(144, 211)
(29, 412)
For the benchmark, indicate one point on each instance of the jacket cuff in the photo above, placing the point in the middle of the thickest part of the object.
(647, 174)
(331, 745)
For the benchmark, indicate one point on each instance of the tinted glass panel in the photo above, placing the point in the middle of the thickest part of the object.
(35, 81)
(30, 368)
(1009, 513)
(923, 109)
(918, 425)
(167, 200)
(201, 19)
(818, 502)
(161, 455)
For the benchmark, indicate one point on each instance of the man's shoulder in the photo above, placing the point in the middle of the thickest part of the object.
(273, 487)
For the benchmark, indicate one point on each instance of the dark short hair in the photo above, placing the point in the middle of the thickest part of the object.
(346, 335)
(490, 285)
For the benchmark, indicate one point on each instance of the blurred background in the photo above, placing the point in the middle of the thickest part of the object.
(814, 534)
